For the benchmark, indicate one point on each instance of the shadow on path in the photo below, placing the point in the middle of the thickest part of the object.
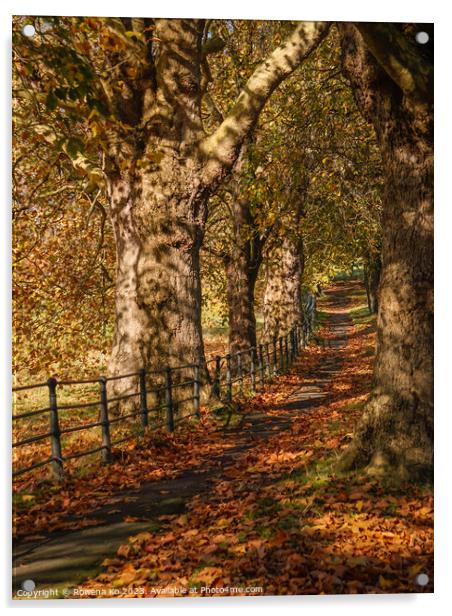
(67, 557)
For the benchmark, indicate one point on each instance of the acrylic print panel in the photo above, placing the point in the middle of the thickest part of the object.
(214, 223)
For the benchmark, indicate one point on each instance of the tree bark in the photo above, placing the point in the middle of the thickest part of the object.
(395, 434)
(242, 267)
(242, 264)
(283, 294)
(158, 292)
(160, 173)
(240, 297)
(158, 210)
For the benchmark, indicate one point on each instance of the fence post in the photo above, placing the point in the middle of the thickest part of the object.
(228, 378)
(105, 422)
(196, 390)
(253, 369)
(261, 364)
(240, 369)
(169, 400)
(55, 437)
(281, 355)
(143, 398)
(267, 360)
(216, 388)
(275, 357)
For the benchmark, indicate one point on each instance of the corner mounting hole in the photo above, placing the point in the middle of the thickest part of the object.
(422, 579)
(422, 37)
(28, 30)
(28, 585)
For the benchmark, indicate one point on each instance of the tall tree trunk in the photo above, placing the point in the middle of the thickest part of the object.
(160, 173)
(241, 275)
(395, 434)
(158, 209)
(242, 264)
(283, 295)
(158, 292)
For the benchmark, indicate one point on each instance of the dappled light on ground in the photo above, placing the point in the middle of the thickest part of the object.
(274, 514)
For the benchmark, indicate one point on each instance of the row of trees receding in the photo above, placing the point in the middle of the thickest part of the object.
(226, 164)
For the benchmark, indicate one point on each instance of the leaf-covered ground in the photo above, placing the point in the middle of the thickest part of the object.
(278, 519)
(281, 519)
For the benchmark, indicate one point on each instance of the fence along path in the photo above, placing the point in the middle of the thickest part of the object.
(229, 375)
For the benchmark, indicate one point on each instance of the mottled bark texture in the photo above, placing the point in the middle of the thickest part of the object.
(395, 434)
(283, 293)
(158, 209)
(242, 264)
(160, 172)
(242, 268)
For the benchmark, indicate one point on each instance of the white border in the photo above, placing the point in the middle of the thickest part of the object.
(346, 10)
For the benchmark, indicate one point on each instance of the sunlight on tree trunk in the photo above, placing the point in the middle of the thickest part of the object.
(159, 187)
(395, 435)
(241, 280)
(242, 265)
(282, 296)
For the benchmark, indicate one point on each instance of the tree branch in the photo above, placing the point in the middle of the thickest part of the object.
(222, 147)
(400, 58)
(81, 163)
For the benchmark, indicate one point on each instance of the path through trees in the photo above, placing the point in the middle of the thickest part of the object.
(187, 193)
(240, 501)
